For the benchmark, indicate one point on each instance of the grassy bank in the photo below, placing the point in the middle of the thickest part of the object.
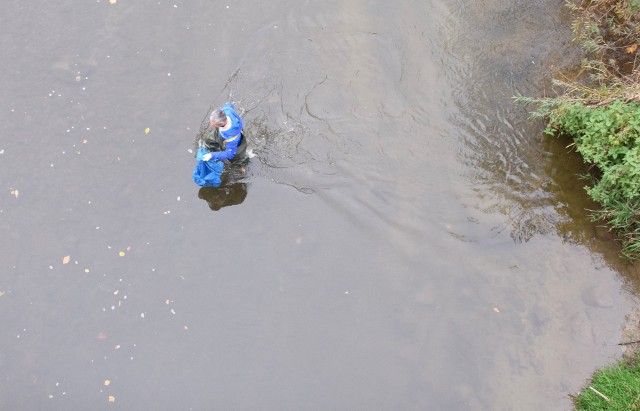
(598, 107)
(615, 388)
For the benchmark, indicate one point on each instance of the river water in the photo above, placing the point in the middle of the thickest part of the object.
(404, 238)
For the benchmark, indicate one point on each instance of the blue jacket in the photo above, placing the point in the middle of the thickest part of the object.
(231, 136)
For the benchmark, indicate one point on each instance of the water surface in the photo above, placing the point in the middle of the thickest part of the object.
(405, 238)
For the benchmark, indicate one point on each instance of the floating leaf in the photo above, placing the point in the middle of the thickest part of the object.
(86, 270)
(107, 383)
(496, 309)
(112, 1)
(121, 254)
(66, 259)
(111, 397)
(146, 130)
(2, 293)
(632, 48)
(15, 193)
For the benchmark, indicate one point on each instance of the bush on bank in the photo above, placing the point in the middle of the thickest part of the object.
(599, 108)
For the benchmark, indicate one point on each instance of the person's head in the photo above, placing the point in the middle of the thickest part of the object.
(218, 118)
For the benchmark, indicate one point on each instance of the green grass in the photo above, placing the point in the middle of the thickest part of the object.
(620, 383)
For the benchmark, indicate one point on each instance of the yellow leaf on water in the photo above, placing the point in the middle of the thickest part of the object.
(66, 259)
(632, 48)
(106, 383)
(121, 254)
(112, 1)
(2, 293)
(86, 270)
(146, 130)
(111, 397)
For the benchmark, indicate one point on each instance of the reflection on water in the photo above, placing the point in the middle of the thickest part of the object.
(223, 196)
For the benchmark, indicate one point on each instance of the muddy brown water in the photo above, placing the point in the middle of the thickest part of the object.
(405, 238)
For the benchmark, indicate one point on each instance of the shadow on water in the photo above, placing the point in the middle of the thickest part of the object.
(224, 196)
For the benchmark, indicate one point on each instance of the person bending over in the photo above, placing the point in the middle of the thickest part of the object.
(228, 124)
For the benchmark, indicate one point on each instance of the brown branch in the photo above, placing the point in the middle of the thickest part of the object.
(629, 342)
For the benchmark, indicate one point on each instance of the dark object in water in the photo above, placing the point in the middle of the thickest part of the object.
(227, 195)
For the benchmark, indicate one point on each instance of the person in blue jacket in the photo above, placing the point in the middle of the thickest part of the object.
(229, 125)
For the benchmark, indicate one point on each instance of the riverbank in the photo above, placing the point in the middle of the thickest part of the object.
(598, 107)
(616, 387)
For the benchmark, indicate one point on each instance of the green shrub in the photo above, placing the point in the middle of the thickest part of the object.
(608, 137)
